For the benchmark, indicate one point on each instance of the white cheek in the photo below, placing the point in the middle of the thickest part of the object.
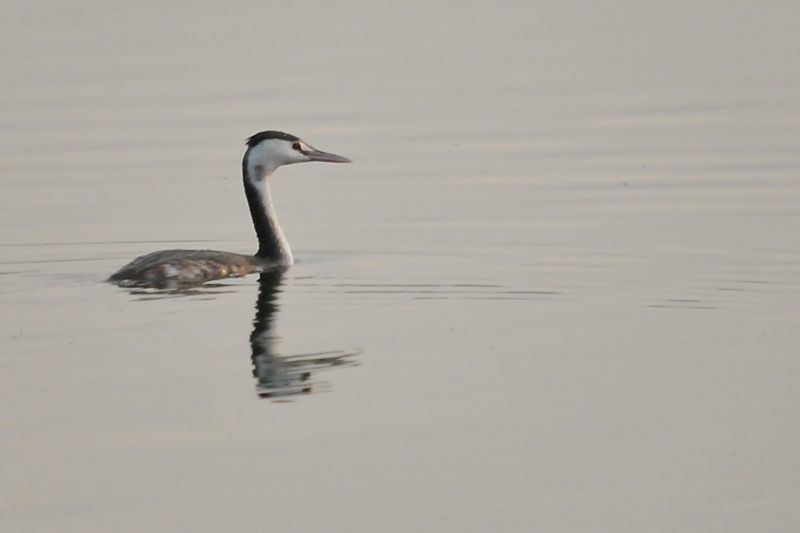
(269, 155)
(297, 157)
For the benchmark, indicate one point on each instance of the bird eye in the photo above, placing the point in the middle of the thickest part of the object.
(296, 146)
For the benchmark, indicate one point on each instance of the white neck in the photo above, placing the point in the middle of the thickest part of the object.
(271, 240)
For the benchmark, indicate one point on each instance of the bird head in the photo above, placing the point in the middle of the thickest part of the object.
(268, 150)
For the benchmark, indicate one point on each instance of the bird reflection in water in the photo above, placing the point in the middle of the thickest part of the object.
(284, 377)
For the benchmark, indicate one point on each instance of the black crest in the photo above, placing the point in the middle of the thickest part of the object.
(270, 134)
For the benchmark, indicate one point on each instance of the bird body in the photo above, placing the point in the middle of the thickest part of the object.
(266, 151)
(181, 268)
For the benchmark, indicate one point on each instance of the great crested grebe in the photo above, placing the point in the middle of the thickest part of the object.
(266, 151)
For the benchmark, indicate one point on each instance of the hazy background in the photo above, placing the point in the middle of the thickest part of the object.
(567, 255)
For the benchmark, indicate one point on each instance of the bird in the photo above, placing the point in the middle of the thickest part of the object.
(175, 269)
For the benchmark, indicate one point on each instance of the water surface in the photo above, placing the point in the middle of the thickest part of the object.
(557, 291)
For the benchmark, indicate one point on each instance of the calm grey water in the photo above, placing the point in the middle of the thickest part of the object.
(557, 291)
